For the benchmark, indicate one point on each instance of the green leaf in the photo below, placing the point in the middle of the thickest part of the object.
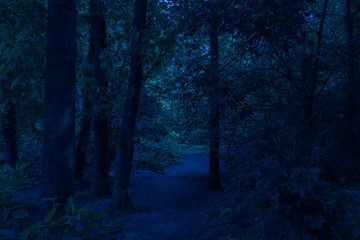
(15, 82)
(21, 213)
(8, 234)
(93, 206)
(97, 216)
(50, 214)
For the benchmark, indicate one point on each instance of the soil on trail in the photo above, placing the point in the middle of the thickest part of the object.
(171, 206)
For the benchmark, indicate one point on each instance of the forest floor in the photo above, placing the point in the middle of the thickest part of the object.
(173, 205)
(169, 206)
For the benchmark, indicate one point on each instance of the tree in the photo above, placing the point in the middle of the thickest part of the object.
(83, 136)
(312, 87)
(9, 132)
(125, 143)
(101, 182)
(214, 104)
(86, 116)
(58, 163)
(352, 132)
(21, 61)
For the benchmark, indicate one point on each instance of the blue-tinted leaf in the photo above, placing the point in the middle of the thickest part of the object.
(21, 213)
(7, 234)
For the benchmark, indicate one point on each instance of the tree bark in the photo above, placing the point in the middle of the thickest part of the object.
(311, 90)
(214, 106)
(9, 134)
(101, 182)
(83, 137)
(352, 133)
(125, 144)
(58, 166)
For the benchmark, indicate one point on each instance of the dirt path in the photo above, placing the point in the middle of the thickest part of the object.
(171, 206)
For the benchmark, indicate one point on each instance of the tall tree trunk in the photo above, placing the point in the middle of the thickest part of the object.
(352, 133)
(58, 166)
(311, 88)
(125, 143)
(9, 133)
(101, 182)
(83, 137)
(214, 106)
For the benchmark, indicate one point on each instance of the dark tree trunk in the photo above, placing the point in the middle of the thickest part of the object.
(9, 133)
(58, 168)
(352, 133)
(83, 137)
(214, 107)
(101, 182)
(311, 88)
(125, 143)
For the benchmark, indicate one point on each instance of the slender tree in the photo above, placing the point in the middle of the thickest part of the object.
(86, 117)
(59, 117)
(9, 133)
(214, 104)
(311, 88)
(125, 143)
(83, 136)
(352, 133)
(101, 182)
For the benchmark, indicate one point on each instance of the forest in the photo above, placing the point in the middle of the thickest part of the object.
(180, 119)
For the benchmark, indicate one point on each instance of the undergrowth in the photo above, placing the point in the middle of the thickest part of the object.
(157, 154)
(278, 190)
(18, 218)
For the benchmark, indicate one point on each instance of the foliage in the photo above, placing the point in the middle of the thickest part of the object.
(72, 222)
(277, 191)
(156, 154)
(64, 222)
(11, 183)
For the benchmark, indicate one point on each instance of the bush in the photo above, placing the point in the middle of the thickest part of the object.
(277, 191)
(71, 222)
(61, 222)
(156, 154)
(11, 183)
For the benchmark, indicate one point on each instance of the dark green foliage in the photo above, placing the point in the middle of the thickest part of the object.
(22, 58)
(68, 221)
(72, 222)
(278, 191)
(156, 154)
(11, 183)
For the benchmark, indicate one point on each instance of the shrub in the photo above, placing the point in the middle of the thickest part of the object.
(277, 191)
(11, 182)
(63, 222)
(71, 222)
(156, 154)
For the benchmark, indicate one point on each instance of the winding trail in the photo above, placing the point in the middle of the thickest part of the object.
(171, 206)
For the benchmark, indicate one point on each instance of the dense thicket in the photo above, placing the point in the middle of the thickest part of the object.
(270, 86)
